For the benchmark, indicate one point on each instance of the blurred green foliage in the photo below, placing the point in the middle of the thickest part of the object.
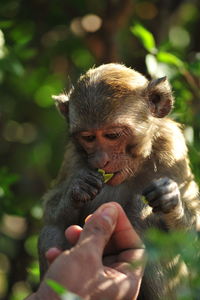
(44, 42)
(180, 249)
(7, 197)
(61, 291)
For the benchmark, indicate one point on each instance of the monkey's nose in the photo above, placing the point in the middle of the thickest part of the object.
(100, 161)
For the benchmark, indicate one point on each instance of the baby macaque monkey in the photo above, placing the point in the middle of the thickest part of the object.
(118, 123)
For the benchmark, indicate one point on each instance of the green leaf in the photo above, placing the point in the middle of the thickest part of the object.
(170, 59)
(145, 36)
(58, 288)
(31, 245)
(34, 271)
(144, 200)
(106, 176)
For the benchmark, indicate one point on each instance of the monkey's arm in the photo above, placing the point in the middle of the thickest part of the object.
(64, 201)
(177, 199)
(76, 184)
(62, 209)
(187, 213)
(178, 205)
(62, 204)
(56, 215)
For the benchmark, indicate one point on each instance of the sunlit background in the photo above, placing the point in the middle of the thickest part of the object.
(42, 44)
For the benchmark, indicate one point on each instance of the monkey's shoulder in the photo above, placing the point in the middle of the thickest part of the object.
(169, 144)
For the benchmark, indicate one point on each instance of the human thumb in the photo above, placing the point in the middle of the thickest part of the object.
(99, 227)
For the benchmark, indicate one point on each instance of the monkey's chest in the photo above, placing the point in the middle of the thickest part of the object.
(130, 200)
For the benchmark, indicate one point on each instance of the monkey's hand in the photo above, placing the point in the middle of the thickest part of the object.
(163, 195)
(86, 186)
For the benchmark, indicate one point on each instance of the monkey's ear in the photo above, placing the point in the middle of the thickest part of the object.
(160, 97)
(62, 103)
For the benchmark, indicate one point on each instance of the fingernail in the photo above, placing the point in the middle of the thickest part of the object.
(87, 218)
(109, 213)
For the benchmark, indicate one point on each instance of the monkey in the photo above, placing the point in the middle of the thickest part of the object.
(119, 122)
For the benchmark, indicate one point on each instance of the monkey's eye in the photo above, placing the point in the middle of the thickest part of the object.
(88, 138)
(113, 136)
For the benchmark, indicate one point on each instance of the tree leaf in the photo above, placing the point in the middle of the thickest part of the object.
(58, 288)
(61, 291)
(170, 59)
(106, 176)
(145, 36)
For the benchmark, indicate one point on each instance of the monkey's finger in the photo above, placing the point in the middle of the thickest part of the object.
(94, 181)
(155, 184)
(81, 195)
(164, 209)
(72, 234)
(156, 209)
(170, 204)
(96, 175)
(90, 190)
(160, 190)
(163, 198)
(156, 202)
(165, 203)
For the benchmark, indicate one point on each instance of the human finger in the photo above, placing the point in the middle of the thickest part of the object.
(99, 227)
(124, 235)
(72, 234)
(52, 254)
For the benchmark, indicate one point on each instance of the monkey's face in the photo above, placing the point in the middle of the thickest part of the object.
(113, 113)
(111, 149)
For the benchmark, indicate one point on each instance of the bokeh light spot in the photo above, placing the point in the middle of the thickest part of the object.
(13, 226)
(15, 132)
(43, 96)
(179, 37)
(76, 27)
(91, 23)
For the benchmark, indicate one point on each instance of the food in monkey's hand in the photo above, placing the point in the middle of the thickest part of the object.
(106, 176)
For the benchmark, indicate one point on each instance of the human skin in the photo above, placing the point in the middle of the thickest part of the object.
(99, 264)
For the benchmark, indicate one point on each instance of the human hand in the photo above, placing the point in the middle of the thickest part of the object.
(99, 265)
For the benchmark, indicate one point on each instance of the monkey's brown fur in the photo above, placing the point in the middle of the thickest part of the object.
(154, 148)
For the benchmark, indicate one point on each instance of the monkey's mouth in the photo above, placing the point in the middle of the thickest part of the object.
(116, 178)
